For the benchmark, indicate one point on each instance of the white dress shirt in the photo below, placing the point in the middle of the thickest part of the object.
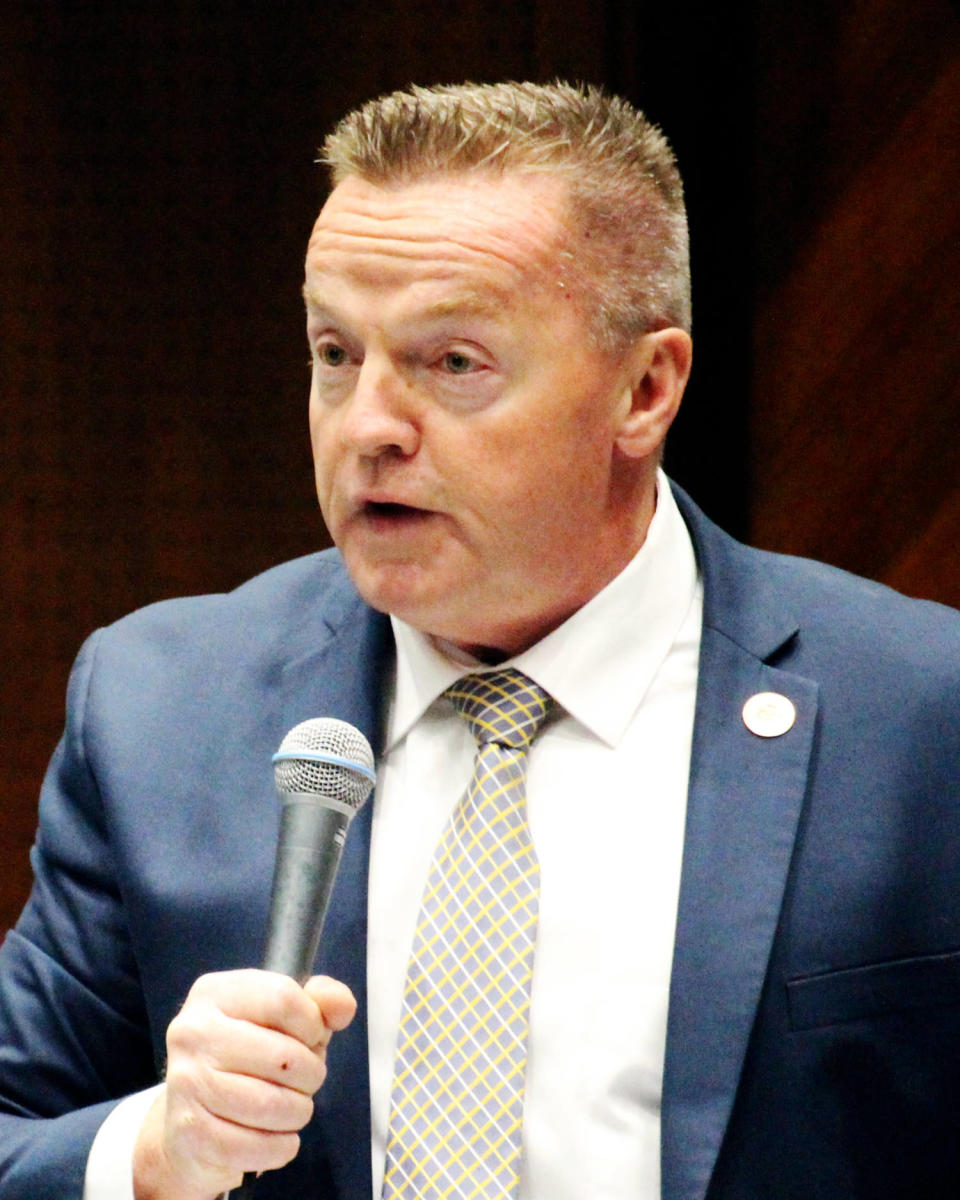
(606, 790)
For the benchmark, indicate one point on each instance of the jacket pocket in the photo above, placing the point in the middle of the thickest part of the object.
(875, 990)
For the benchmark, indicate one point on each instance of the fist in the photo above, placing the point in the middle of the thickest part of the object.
(245, 1056)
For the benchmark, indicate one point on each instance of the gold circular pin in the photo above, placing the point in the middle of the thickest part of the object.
(768, 714)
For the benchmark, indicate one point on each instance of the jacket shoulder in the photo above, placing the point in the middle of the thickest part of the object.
(811, 611)
(289, 604)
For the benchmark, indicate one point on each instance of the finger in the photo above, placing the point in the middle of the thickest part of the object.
(334, 999)
(256, 1104)
(206, 1144)
(264, 998)
(203, 1039)
(184, 1150)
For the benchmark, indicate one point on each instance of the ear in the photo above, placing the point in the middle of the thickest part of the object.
(658, 370)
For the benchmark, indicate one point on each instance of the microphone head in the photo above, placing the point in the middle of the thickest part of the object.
(328, 758)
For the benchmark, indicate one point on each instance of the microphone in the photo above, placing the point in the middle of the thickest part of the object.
(323, 772)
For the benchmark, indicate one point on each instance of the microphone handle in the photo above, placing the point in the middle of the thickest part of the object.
(312, 832)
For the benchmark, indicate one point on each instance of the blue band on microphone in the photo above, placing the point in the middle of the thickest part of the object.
(333, 759)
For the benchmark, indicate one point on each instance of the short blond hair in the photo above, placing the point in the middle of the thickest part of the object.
(624, 188)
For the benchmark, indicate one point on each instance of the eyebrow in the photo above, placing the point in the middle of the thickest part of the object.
(467, 303)
(310, 298)
(472, 304)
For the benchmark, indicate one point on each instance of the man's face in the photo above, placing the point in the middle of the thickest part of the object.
(464, 426)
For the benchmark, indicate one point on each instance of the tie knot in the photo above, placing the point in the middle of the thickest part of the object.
(503, 706)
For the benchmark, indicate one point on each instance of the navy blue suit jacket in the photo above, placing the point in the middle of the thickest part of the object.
(813, 1045)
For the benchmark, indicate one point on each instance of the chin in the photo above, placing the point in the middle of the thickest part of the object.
(398, 590)
(438, 604)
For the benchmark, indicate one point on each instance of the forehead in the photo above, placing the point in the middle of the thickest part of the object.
(493, 234)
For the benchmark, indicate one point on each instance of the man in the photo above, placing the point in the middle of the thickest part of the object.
(742, 803)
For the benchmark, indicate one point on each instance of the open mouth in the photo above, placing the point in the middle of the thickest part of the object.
(378, 509)
(385, 515)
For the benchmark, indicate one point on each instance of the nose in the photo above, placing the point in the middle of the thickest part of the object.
(380, 416)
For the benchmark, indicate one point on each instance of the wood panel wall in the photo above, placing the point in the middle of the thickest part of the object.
(855, 417)
(157, 189)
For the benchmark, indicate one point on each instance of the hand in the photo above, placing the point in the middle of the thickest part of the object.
(245, 1056)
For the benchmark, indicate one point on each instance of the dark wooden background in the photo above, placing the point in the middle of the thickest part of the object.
(157, 189)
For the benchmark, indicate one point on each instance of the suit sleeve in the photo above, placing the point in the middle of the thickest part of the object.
(73, 1027)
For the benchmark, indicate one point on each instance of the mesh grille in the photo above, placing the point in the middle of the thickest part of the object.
(302, 762)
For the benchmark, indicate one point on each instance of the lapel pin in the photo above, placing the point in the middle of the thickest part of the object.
(768, 714)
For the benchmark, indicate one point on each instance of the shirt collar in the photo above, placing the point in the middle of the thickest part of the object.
(590, 667)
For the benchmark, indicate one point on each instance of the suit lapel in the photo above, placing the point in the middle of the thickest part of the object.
(744, 801)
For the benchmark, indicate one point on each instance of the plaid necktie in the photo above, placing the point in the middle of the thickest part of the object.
(457, 1100)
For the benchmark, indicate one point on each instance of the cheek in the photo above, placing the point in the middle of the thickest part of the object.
(562, 485)
(322, 440)
(314, 426)
(323, 475)
(553, 454)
